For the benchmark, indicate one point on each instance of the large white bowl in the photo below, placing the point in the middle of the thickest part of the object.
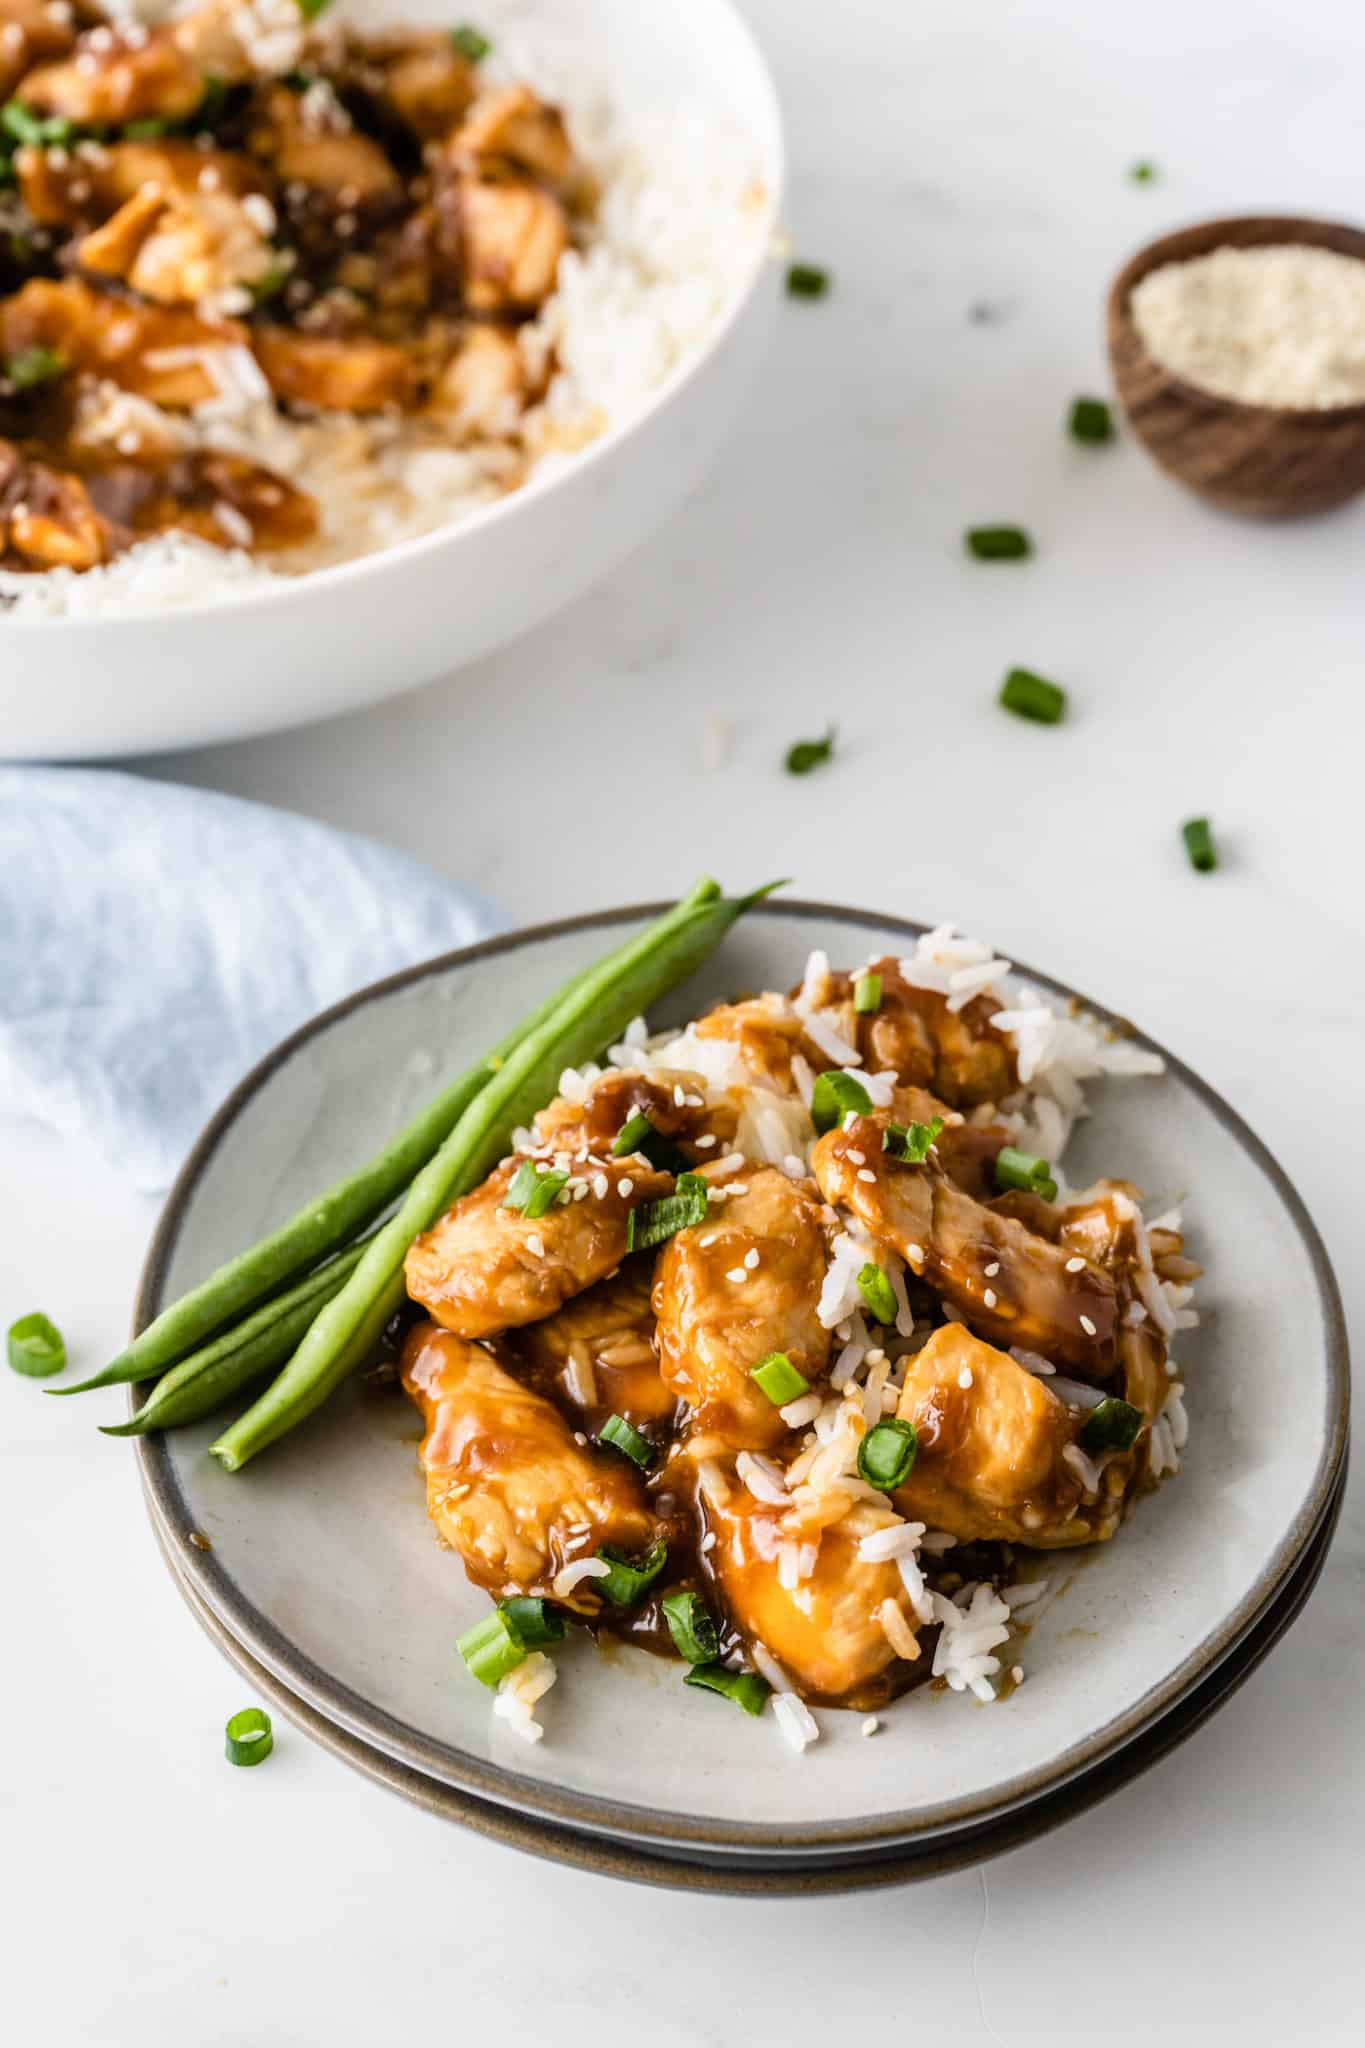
(73, 689)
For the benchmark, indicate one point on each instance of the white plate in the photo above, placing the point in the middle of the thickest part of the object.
(310, 646)
(324, 1567)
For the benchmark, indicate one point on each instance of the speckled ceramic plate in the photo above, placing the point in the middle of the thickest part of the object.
(324, 1569)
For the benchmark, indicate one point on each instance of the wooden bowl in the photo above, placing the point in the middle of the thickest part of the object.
(1270, 461)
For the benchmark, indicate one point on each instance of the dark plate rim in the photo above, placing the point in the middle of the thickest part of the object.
(620, 1819)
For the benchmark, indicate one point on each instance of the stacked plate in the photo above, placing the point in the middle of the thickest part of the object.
(323, 1584)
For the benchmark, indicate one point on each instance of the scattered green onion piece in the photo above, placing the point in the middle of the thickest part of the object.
(629, 1578)
(250, 1738)
(1144, 172)
(910, 1143)
(867, 994)
(531, 1621)
(806, 281)
(1091, 421)
(637, 1134)
(745, 1688)
(616, 1430)
(1024, 1170)
(778, 1378)
(470, 42)
(270, 282)
(39, 130)
(35, 366)
(1113, 1426)
(998, 543)
(877, 1292)
(1031, 696)
(631, 1135)
(886, 1454)
(534, 1192)
(311, 9)
(655, 1222)
(149, 130)
(808, 754)
(492, 1648)
(835, 1096)
(36, 1347)
(692, 1627)
(1198, 838)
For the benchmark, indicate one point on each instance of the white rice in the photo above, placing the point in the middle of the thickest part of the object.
(681, 218)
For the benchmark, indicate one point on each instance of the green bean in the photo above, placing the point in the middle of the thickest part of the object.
(322, 1225)
(250, 1349)
(591, 1012)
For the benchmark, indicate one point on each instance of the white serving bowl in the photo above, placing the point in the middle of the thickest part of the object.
(343, 637)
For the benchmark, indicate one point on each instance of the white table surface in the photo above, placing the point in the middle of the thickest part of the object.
(943, 153)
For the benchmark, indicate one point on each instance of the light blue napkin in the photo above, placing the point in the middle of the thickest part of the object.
(156, 940)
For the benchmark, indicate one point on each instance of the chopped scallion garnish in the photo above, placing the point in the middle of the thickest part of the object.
(535, 1192)
(877, 1292)
(1144, 172)
(910, 1143)
(35, 1347)
(1198, 837)
(1024, 1170)
(1031, 696)
(311, 9)
(532, 1621)
(149, 130)
(806, 281)
(36, 129)
(492, 1648)
(692, 1627)
(1113, 1426)
(629, 1578)
(655, 1222)
(250, 1737)
(745, 1688)
(835, 1096)
(631, 1135)
(886, 1454)
(34, 366)
(625, 1437)
(778, 1378)
(998, 543)
(808, 754)
(867, 994)
(470, 42)
(637, 1134)
(1091, 420)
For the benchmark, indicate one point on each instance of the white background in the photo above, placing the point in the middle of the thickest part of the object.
(944, 153)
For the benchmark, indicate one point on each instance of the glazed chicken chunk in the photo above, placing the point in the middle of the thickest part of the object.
(508, 1488)
(486, 1267)
(730, 1291)
(958, 1055)
(599, 1354)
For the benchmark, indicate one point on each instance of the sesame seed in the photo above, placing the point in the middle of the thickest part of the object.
(964, 1378)
(871, 1725)
(751, 1260)
(915, 1254)
(679, 1095)
(866, 1173)
(991, 1270)
(989, 1297)
(737, 1274)
(600, 1186)
(705, 1143)
(626, 1188)
(858, 1158)
(709, 1238)
(535, 1243)
(1017, 1674)
(1075, 1265)
(1087, 1326)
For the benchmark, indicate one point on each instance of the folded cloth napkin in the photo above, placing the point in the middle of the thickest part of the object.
(156, 940)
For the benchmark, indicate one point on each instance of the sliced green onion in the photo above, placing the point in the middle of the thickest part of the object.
(36, 1347)
(1144, 173)
(808, 754)
(910, 1143)
(1024, 1170)
(1198, 838)
(835, 1096)
(37, 129)
(886, 1454)
(655, 1222)
(1031, 696)
(470, 42)
(34, 366)
(692, 1627)
(867, 994)
(492, 1648)
(745, 1688)
(632, 1135)
(637, 1134)
(629, 1578)
(807, 281)
(778, 1378)
(877, 1292)
(250, 1737)
(1113, 1426)
(270, 282)
(534, 1192)
(149, 130)
(311, 9)
(531, 1621)
(998, 543)
(1091, 420)
(616, 1430)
